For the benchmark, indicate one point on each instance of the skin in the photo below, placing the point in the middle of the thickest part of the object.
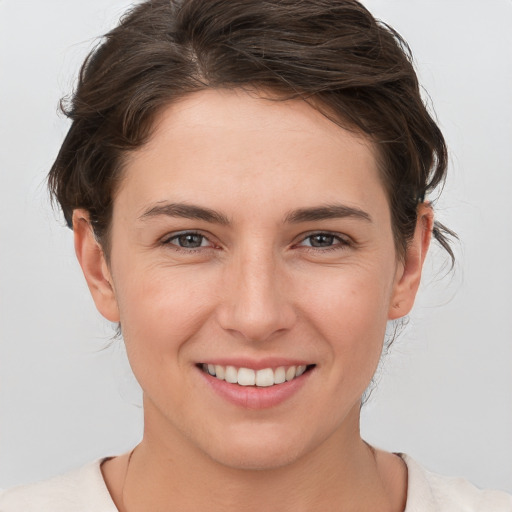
(255, 288)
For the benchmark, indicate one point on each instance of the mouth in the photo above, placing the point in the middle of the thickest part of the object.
(262, 378)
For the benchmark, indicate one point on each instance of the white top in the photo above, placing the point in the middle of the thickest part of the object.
(84, 490)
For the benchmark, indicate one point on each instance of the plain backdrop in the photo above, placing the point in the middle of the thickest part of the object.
(443, 395)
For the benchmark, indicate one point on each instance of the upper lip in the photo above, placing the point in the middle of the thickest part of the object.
(256, 364)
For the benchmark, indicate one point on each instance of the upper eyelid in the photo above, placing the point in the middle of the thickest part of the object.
(299, 238)
(168, 240)
(175, 234)
(340, 236)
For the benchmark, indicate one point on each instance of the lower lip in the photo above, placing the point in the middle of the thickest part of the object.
(254, 397)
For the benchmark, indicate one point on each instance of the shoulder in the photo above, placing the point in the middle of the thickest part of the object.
(80, 490)
(429, 492)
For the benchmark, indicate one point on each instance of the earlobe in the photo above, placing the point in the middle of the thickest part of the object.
(408, 276)
(94, 266)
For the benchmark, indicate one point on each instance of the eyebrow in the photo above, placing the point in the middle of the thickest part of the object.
(185, 211)
(189, 211)
(332, 211)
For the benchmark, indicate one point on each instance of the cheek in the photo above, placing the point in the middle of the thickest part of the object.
(349, 311)
(160, 310)
(349, 298)
(161, 313)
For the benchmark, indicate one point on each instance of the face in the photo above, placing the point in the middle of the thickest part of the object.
(252, 240)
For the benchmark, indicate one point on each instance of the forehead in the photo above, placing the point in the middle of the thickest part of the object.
(232, 146)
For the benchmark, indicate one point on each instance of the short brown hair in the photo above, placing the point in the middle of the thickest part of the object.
(332, 53)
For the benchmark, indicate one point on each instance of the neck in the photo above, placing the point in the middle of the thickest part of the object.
(342, 473)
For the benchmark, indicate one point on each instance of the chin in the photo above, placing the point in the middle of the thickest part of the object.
(257, 451)
(257, 459)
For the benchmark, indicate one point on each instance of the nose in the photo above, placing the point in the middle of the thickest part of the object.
(255, 305)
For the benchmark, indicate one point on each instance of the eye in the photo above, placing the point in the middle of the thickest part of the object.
(320, 240)
(324, 241)
(188, 240)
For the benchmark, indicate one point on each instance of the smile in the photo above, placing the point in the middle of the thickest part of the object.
(265, 377)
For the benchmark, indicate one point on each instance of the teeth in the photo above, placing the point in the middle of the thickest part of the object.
(220, 372)
(231, 374)
(246, 377)
(280, 375)
(300, 370)
(290, 373)
(265, 377)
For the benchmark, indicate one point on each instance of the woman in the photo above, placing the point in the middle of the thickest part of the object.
(247, 184)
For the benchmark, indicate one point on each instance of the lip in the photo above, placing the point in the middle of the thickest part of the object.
(259, 364)
(254, 397)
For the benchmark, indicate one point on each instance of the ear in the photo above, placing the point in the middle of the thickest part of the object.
(94, 266)
(407, 280)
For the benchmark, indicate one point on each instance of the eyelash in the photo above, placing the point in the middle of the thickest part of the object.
(341, 242)
(175, 236)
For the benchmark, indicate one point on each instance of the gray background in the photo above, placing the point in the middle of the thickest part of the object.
(444, 394)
